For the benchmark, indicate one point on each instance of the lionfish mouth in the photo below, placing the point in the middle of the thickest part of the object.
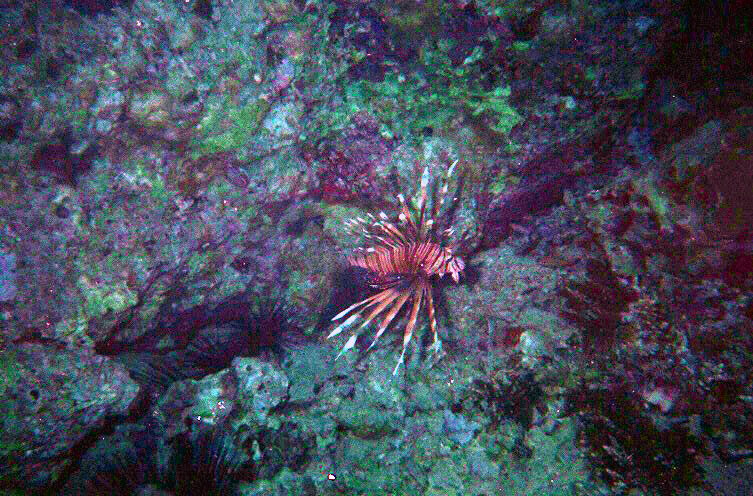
(403, 260)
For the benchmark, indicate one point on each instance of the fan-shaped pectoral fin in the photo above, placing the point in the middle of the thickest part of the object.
(408, 333)
(344, 325)
(368, 302)
(390, 316)
(345, 312)
(385, 298)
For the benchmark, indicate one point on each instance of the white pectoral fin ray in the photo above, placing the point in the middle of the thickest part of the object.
(390, 316)
(345, 324)
(349, 309)
(399, 362)
(452, 168)
(348, 345)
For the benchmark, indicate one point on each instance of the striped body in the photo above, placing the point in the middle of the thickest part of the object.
(424, 259)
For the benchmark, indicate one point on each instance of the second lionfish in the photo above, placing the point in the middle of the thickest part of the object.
(403, 260)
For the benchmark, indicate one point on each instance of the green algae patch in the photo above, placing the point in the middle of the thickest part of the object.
(495, 103)
(225, 127)
(75, 330)
(151, 109)
(9, 372)
(102, 298)
(407, 103)
(335, 217)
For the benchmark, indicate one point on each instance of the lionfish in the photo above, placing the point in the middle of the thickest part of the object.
(403, 260)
